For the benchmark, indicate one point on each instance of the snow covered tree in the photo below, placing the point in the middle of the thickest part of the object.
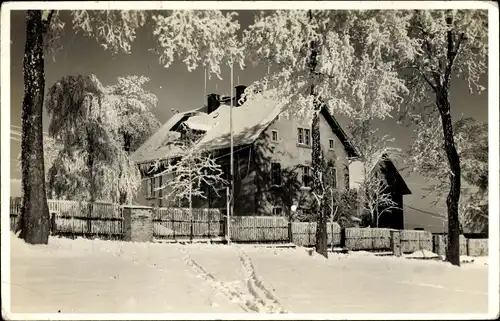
(375, 199)
(373, 194)
(195, 37)
(341, 60)
(427, 157)
(136, 121)
(134, 107)
(191, 175)
(92, 164)
(451, 44)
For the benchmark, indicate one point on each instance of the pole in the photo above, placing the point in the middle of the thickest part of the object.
(205, 88)
(231, 208)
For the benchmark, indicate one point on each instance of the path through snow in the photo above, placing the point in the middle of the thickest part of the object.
(77, 276)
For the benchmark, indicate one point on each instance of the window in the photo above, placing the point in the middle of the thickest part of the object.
(274, 135)
(334, 177)
(277, 211)
(307, 136)
(304, 136)
(160, 184)
(331, 143)
(151, 184)
(275, 174)
(306, 176)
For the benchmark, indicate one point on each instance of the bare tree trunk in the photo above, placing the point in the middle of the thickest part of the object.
(453, 248)
(35, 220)
(317, 161)
(318, 189)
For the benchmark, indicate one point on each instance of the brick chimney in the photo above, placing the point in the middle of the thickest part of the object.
(240, 90)
(213, 102)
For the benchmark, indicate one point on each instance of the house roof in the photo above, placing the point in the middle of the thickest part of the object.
(249, 121)
(380, 161)
(156, 146)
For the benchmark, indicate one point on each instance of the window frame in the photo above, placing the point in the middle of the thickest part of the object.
(334, 174)
(274, 131)
(331, 144)
(277, 208)
(305, 168)
(304, 137)
(273, 171)
(300, 136)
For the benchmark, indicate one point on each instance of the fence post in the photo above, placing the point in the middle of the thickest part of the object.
(290, 233)
(52, 223)
(89, 219)
(138, 223)
(191, 231)
(439, 245)
(396, 243)
(172, 213)
(209, 232)
(224, 223)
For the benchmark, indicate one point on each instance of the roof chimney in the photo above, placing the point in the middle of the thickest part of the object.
(213, 102)
(240, 89)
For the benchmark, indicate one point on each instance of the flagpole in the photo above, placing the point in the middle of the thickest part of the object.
(231, 207)
(205, 88)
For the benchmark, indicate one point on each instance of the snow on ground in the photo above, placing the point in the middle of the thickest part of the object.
(75, 276)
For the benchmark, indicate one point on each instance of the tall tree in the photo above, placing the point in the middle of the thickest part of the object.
(339, 60)
(427, 156)
(452, 43)
(91, 165)
(195, 37)
(136, 121)
(35, 211)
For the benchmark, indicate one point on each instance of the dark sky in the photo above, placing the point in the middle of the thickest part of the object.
(177, 88)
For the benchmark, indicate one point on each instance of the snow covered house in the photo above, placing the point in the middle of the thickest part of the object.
(272, 154)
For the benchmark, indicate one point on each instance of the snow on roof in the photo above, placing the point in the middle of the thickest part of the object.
(202, 121)
(249, 120)
(156, 147)
(356, 168)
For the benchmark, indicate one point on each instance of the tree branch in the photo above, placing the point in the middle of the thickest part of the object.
(434, 87)
(317, 73)
(46, 23)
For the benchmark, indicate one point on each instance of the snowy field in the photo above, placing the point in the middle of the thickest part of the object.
(83, 276)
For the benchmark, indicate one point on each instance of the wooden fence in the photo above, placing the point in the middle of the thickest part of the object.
(177, 223)
(105, 220)
(368, 239)
(73, 218)
(304, 234)
(259, 229)
(412, 241)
